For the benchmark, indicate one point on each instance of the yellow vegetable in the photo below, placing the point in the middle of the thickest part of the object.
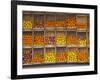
(72, 57)
(50, 57)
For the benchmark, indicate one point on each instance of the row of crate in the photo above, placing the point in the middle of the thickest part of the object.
(72, 55)
(41, 40)
(29, 25)
(81, 21)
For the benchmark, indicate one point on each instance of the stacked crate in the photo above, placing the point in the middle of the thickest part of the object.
(50, 37)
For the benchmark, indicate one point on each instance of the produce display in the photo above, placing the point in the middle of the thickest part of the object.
(60, 20)
(38, 21)
(61, 55)
(50, 56)
(27, 25)
(82, 22)
(54, 38)
(82, 42)
(27, 22)
(50, 38)
(39, 39)
(39, 25)
(72, 55)
(71, 21)
(27, 39)
(27, 56)
(49, 24)
(61, 38)
(50, 21)
(60, 23)
(71, 40)
(38, 56)
(83, 56)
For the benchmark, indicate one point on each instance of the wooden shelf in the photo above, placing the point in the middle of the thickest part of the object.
(71, 28)
(81, 30)
(60, 28)
(81, 46)
(66, 29)
(27, 46)
(38, 46)
(71, 45)
(60, 45)
(54, 64)
(38, 29)
(50, 28)
(49, 45)
(27, 29)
